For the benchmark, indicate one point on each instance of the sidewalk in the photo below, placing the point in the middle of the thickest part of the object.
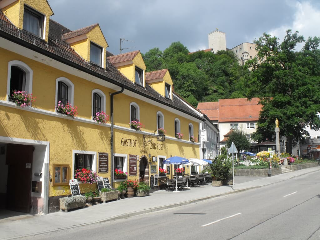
(159, 200)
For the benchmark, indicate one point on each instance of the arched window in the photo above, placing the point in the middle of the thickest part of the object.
(64, 91)
(191, 131)
(98, 102)
(20, 77)
(160, 120)
(176, 126)
(134, 112)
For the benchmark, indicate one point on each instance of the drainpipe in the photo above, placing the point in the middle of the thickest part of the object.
(111, 138)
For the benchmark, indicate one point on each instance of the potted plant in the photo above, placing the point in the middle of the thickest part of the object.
(96, 197)
(131, 187)
(142, 189)
(220, 169)
(161, 131)
(192, 139)
(179, 135)
(179, 171)
(22, 98)
(119, 174)
(122, 189)
(101, 117)
(66, 109)
(108, 194)
(135, 125)
(89, 196)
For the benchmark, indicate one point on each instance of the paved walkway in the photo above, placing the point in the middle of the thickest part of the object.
(35, 225)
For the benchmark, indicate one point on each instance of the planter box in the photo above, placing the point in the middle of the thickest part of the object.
(142, 193)
(109, 196)
(74, 202)
(120, 177)
(216, 183)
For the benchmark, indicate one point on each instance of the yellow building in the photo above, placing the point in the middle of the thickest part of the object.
(71, 80)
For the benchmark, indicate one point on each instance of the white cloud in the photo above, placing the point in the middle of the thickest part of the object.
(306, 20)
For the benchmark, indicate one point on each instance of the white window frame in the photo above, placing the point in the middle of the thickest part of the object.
(249, 125)
(232, 126)
(125, 165)
(162, 120)
(43, 18)
(138, 110)
(179, 127)
(29, 76)
(102, 53)
(70, 90)
(94, 160)
(103, 100)
(191, 133)
(170, 93)
(141, 83)
(164, 165)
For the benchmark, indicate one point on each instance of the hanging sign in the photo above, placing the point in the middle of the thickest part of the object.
(103, 162)
(133, 165)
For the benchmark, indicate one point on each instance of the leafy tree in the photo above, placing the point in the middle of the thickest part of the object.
(288, 85)
(239, 139)
(154, 59)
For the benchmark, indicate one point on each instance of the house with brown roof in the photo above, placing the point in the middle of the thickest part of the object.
(233, 114)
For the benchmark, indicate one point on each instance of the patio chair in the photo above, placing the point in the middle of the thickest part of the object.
(171, 184)
(200, 179)
(192, 180)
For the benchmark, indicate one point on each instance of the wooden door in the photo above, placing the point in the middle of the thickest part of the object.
(19, 160)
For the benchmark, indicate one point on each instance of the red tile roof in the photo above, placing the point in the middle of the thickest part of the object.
(123, 57)
(239, 110)
(156, 74)
(206, 50)
(78, 32)
(211, 109)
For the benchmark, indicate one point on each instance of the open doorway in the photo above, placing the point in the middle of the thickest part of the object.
(143, 169)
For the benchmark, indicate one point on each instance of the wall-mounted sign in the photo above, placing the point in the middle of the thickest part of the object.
(103, 162)
(133, 165)
(153, 169)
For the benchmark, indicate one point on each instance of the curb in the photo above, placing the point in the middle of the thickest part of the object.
(154, 209)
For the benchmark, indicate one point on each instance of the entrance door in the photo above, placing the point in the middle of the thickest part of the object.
(19, 160)
(144, 169)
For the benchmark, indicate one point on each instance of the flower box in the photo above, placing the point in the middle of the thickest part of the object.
(101, 117)
(117, 177)
(66, 109)
(136, 125)
(74, 202)
(22, 98)
(109, 196)
(179, 135)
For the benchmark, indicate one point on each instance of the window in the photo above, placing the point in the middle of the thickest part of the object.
(61, 175)
(98, 102)
(194, 170)
(168, 90)
(250, 125)
(120, 162)
(95, 54)
(139, 76)
(64, 91)
(134, 112)
(176, 126)
(19, 78)
(234, 126)
(161, 159)
(84, 159)
(160, 120)
(191, 131)
(33, 21)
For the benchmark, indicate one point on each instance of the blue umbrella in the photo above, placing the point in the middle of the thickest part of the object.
(176, 160)
(208, 161)
(249, 153)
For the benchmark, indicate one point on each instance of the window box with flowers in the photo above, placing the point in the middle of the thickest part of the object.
(162, 172)
(192, 139)
(86, 176)
(179, 135)
(136, 125)
(66, 109)
(119, 174)
(161, 131)
(22, 98)
(179, 171)
(101, 117)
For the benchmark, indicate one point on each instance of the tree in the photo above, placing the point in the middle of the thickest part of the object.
(153, 59)
(239, 139)
(287, 82)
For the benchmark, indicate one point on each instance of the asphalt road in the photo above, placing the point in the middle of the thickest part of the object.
(287, 210)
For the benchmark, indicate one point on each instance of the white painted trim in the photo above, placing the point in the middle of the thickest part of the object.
(84, 120)
(137, 108)
(103, 100)
(179, 127)
(70, 90)
(94, 160)
(162, 116)
(29, 76)
(44, 27)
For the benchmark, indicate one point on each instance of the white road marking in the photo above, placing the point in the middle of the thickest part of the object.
(289, 194)
(221, 220)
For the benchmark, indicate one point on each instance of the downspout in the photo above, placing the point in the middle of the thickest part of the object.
(111, 138)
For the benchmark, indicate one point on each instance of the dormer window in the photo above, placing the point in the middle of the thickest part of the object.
(139, 76)
(168, 90)
(33, 21)
(96, 54)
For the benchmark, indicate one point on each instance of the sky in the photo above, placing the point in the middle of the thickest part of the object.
(146, 24)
